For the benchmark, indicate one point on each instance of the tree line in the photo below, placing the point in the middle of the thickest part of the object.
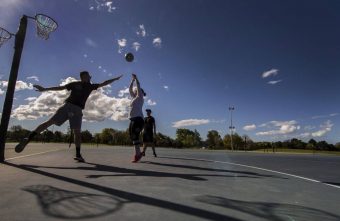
(185, 138)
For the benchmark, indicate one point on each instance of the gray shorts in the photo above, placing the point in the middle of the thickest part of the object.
(70, 112)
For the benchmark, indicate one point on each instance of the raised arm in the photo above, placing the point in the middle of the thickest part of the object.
(42, 89)
(109, 81)
(139, 91)
(131, 88)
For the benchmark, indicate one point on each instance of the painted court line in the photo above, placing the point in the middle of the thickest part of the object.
(263, 169)
(33, 154)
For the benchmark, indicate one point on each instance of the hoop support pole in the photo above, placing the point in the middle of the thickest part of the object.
(7, 107)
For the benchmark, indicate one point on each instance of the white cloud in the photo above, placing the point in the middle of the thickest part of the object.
(136, 46)
(33, 78)
(269, 73)
(91, 43)
(109, 6)
(99, 105)
(30, 98)
(121, 44)
(102, 4)
(157, 42)
(304, 135)
(263, 125)
(249, 127)
(309, 127)
(324, 129)
(141, 31)
(325, 116)
(274, 82)
(20, 85)
(151, 103)
(280, 128)
(190, 122)
(123, 92)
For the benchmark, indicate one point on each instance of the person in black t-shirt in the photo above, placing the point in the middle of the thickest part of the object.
(71, 110)
(148, 132)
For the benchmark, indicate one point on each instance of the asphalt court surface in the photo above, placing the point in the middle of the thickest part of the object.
(45, 183)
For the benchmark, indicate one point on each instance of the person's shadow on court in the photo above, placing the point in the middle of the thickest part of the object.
(119, 172)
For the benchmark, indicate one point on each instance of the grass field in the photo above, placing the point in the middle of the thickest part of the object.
(286, 150)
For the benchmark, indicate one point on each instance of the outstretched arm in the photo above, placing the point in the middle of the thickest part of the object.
(131, 88)
(42, 89)
(139, 92)
(109, 81)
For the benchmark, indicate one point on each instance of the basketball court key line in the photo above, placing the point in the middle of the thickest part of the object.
(33, 154)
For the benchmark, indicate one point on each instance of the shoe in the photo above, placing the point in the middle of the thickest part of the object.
(136, 158)
(79, 158)
(155, 155)
(21, 146)
(143, 154)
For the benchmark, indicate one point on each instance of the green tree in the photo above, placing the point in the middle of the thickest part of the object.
(86, 136)
(322, 145)
(188, 138)
(58, 136)
(214, 139)
(311, 144)
(297, 144)
(106, 135)
(17, 133)
(238, 141)
(163, 140)
(47, 136)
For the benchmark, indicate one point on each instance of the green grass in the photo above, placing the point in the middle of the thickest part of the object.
(286, 150)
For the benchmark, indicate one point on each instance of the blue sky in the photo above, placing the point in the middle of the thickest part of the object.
(276, 61)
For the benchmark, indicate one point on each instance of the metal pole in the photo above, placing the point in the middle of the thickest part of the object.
(245, 143)
(7, 108)
(231, 127)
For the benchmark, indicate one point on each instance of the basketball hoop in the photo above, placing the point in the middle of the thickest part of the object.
(45, 25)
(4, 36)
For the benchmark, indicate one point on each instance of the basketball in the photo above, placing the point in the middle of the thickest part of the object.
(129, 57)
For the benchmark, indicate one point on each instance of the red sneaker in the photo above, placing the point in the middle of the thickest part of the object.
(136, 158)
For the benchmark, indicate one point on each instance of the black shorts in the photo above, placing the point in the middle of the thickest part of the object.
(147, 137)
(136, 126)
(70, 112)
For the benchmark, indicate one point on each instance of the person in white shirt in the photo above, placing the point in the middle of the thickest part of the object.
(136, 116)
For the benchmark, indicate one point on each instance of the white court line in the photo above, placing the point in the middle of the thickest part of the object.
(263, 169)
(12, 158)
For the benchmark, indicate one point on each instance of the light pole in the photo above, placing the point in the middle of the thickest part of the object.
(231, 127)
(45, 25)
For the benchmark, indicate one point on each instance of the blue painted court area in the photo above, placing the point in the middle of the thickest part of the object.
(178, 185)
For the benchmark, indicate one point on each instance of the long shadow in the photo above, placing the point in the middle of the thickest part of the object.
(67, 204)
(181, 158)
(132, 197)
(333, 183)
(212, 169)
(270, 211)
(118, 171)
